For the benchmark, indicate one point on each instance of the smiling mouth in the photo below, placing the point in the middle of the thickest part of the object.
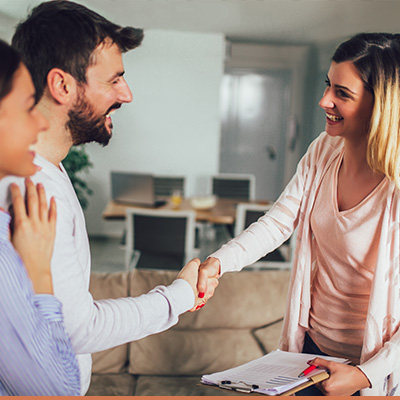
(108, 122)
(108, 118)
(31, 150)
(333, 118)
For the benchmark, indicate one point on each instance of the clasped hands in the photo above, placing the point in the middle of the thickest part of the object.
(203, 278)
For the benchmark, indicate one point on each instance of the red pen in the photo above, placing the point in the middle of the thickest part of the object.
(307, 370)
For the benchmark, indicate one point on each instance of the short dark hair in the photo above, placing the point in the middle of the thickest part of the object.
(10, 62)
(63, 34)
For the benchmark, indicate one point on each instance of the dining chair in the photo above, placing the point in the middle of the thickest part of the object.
(159, 239)
(165, 185)
(281, 258)
(234, 186)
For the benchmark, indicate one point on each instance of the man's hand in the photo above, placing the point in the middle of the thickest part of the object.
(344, 379)
(190, 273)
(34, 229)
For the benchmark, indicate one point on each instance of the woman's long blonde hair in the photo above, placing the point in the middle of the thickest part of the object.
(377, 59)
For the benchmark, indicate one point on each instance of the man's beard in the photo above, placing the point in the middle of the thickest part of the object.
(85, 126)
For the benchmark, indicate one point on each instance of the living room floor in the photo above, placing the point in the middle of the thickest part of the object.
(108, 254)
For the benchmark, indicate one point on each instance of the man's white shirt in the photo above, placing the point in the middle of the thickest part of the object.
(95, 325)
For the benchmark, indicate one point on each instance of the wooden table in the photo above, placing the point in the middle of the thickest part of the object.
(224, 212)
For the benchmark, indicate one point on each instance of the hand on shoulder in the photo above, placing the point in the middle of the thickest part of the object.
(33, 233)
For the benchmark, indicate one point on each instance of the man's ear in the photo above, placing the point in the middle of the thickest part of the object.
(61, 85)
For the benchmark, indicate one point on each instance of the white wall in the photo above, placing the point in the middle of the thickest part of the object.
(172, 126)
(7, 25)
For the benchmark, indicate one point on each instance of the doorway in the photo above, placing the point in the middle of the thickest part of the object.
(255, 107)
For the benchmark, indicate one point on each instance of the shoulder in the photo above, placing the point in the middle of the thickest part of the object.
(325, 144)
(5, 195)
(55, 181)
(323, 149)
(394, 199)
(56, 184)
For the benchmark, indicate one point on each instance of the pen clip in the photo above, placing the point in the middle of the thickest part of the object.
(238, 386)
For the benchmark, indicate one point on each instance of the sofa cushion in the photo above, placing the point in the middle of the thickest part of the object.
(192, 352)
(247, 299)
(109, 286)
(217, 337)
(268, 336)
(112, 385)
(177, 386)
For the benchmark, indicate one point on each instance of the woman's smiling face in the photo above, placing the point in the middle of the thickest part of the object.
(346, 101)
(20, 124)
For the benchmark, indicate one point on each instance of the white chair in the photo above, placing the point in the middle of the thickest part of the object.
(234, 186)
(282, 257)
(159, 239)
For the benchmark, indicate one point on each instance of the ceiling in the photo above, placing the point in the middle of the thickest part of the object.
(274, 21)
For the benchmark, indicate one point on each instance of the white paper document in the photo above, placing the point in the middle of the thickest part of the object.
(275, 373)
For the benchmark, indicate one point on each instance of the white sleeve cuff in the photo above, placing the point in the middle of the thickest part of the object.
(182, 295)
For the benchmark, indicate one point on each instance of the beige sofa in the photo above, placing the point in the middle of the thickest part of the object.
(240, 323)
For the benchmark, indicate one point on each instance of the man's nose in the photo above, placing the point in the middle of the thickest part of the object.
(125, 94)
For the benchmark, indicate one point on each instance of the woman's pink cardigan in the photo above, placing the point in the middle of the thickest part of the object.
(380, 358)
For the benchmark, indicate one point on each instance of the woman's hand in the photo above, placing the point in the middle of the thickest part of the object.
(34, 228)
(210, 268)
(190, 273)
(344, 379)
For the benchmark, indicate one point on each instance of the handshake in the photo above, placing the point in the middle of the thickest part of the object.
(203, 278)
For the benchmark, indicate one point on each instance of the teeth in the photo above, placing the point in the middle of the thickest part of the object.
(334, 118)
(111, 112)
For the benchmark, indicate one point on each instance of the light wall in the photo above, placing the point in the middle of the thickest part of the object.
(7, 25)
(172, 126)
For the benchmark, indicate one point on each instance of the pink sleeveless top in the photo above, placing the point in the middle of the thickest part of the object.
(344, 252)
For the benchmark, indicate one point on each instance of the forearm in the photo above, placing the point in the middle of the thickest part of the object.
(382, 364)
(265, 235)
(108, 323)
(104, 324)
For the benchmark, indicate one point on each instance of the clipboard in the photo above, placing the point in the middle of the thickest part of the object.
(311, 381)
(275, 374)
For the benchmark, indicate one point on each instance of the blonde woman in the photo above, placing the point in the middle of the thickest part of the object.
(344, 296)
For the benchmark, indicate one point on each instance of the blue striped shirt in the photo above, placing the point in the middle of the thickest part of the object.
(36, 356)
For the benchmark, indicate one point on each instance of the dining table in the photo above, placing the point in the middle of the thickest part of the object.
(223, 212)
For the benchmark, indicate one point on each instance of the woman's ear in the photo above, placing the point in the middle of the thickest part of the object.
(61, 85)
